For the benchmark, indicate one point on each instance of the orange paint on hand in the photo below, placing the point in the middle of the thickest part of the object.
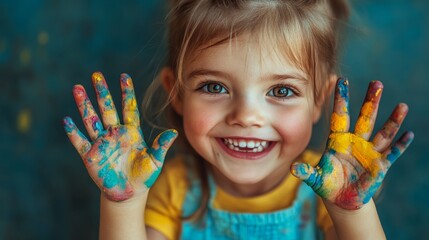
(338, 122)
(364, 122)
(129, 82)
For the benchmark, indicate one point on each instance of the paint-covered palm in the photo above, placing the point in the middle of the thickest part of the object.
(117, 159)
(352, 167)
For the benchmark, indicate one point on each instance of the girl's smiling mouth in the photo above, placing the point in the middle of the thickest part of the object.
(246, 148)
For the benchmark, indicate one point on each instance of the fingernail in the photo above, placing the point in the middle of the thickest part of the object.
(97, 76)
(409, 137)
(68, 124)
(343, 87)
(78, 90)
(167, 136)
(125, 77)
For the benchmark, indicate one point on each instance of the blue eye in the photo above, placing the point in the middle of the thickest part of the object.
(280, 92)
(214, 88)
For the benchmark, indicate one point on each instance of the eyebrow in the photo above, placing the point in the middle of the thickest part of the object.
(274, 77)
(294, 75)
(205, 72)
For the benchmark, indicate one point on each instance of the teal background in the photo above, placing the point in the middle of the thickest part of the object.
(48, 46)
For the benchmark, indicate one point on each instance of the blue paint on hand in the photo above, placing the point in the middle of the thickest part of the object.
(343, 88)
(164, 139)
(151, 180)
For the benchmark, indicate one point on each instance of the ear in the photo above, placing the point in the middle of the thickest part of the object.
(168, 81)
(329, 86)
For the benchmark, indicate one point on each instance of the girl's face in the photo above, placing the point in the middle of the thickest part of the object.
(246, 110)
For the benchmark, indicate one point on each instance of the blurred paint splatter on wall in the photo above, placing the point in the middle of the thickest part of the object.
(48, 46)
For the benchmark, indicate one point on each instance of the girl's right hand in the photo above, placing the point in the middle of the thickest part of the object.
(353, 166)
(118, 159)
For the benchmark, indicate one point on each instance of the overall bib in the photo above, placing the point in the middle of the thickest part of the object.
(296, 222)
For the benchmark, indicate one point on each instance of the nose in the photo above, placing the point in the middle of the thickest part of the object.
(246, 112)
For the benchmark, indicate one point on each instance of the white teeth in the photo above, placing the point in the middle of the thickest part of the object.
(242, 145)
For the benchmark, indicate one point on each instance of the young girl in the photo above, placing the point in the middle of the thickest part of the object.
(246, 81)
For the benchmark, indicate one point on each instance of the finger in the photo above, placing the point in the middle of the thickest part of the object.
(162, 143)
(385, 136)
(105, 101)
(79, 141)
(368, 112)
(89, 116)
(160, 146)
(340, 120)
(129, 103)
(399, 147)
(306, 173)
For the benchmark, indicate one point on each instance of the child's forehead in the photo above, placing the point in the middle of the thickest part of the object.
(247, 46)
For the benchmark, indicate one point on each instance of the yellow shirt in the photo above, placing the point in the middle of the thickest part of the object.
(164, 205)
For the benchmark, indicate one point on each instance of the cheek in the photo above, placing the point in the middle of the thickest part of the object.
(295, 127)
(198, 119)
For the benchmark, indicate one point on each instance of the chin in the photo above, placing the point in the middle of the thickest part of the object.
(245, 176)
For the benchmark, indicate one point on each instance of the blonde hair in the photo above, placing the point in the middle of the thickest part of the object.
(304, 31)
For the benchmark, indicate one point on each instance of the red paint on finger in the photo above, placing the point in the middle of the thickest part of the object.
(79, 91)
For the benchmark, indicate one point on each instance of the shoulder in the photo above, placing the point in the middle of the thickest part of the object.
(165, 201)
(175, 168)
(172, 182)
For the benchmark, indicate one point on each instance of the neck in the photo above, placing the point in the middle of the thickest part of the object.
(253, 189)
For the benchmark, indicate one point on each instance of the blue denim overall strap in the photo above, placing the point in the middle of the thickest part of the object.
(296, 222)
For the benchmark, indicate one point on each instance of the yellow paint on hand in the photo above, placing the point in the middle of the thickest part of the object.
(134, 136)
(340, 142)
(110, 116)
(133, 103)
(378, 92)
(142, 165)
(131, 118)
(338, 122)
(331, 183)
(364, 122)
(24, 121)
(362, 150)
(97, 76)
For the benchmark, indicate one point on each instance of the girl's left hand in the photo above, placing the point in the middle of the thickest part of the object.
(352, 167)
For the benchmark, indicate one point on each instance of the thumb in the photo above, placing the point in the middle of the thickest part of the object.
(306, 173)
(162, 143)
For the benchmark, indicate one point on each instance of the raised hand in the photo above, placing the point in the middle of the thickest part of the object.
(117, 159)
(353, 167)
